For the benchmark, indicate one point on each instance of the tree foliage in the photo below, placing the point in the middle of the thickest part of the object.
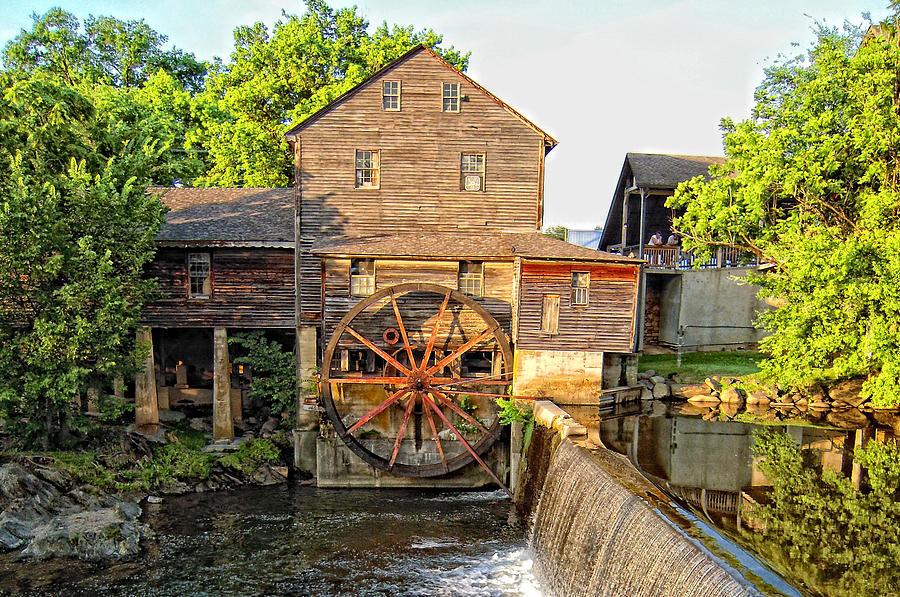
(107, 50)
(558, 232)
(76, 228)
(820, 530)
(811, 185)
(274, 381)
(277, 79)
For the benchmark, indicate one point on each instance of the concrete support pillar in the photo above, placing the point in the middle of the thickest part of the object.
(146, 407)
(515, 454)
(307, 414)
(93, 395)
(223, 425)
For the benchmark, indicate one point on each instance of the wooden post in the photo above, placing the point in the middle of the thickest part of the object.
(223, 426)
(147, 409)
(643, 223)
(862, 438)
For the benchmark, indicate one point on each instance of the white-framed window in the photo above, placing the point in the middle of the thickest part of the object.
(450, 97)
(199, 276)
(550, 314)
(362, 277)
(390, 96)
(471, 278)
(581, 283)
(471, 172)
(368, 168)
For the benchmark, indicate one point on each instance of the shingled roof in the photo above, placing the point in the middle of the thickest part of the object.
(528, 245)
(664, 170)
(227, 216)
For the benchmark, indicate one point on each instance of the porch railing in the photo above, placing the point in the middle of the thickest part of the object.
(669, 257)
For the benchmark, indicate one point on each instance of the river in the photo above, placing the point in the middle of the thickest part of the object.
(292, 540)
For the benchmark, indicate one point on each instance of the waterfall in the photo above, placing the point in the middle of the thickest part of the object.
(592, 536)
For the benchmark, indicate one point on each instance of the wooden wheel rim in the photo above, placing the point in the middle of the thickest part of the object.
(486, 439)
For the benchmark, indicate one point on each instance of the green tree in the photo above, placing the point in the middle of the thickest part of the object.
(558, 232)
(822, 532)
(76, 229)
(107, 50)
(277, 79)
(274, 381)
(811, 186)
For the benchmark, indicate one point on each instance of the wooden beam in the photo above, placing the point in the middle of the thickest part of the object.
(223, 424)
(147, 408)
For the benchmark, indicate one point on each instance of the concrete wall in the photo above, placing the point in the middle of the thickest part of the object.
(713, 308)
(567, 376)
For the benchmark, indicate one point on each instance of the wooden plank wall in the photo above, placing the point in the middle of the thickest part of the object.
(606, 323)
(498, 292)
(252, 288)
(420, 166)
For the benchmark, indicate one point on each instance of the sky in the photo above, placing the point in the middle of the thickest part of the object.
(603, 77)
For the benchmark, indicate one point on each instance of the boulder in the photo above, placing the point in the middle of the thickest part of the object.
(649, 373)
(731, 395)
(704, 399)
(46, 515)
(849, 418)
(690, 390)
(848, 392)
(713, 384)
(888, 419)
(760, 397)
(730, 410)
(658, 379)
(661, 390)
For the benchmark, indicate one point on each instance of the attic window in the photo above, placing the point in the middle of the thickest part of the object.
(390, 96)
(199, 276)
(471, 172)
(367, 168)
(451, 97)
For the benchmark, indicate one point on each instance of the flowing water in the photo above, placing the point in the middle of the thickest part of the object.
(308, 541)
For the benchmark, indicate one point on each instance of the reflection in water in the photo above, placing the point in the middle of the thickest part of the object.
(308, 541)
(797, 496)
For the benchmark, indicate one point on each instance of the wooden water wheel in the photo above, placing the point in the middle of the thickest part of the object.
(410, 376)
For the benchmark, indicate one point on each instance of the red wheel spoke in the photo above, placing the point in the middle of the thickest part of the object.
(434, 331)
(402, 431)
(466, 444)
(446, 391)
(412, 360)
(378, 409)
(446, 381)
(444, 400)
(397, 364)
(459, 351)
(434, 433)
(367, 380)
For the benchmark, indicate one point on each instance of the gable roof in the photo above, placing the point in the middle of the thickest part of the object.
(496, 245)
(260, 217)
(292, 134)
(667, 170)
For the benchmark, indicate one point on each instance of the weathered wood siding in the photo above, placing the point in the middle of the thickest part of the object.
(420, 149)
(251, 288)
(418, 311)
(606, 323)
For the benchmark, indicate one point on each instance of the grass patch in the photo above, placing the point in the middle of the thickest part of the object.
(697, 366)
(250, 455)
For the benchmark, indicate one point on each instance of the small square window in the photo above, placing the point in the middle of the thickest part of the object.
(390, 96)
(362, 277)
(581, 282)
(451, 97)
(199, 276)
(471, 278)
(550, 314)
(471, 172)
(368, 168)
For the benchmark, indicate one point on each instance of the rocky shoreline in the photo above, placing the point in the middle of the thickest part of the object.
(718, 397)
